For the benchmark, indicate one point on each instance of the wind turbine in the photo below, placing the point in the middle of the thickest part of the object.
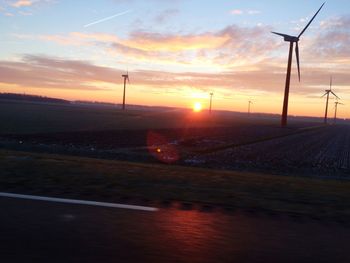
(292, 40)
(327, 93)
(211, 98)
(249, 103)
(126, 77)
(335, 110)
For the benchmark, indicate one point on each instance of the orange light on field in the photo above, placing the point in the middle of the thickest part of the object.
(197, 107)
(160, 147)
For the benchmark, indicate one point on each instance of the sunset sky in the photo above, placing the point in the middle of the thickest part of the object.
(176, 51)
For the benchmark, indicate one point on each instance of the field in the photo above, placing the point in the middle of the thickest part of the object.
(102, 153)
(220, 141)
(32, 118)
(321, 152)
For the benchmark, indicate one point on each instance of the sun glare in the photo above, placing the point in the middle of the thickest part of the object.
(197, 107)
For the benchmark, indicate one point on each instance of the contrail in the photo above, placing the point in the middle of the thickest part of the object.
(107, 18)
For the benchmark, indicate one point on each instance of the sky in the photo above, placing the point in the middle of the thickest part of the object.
(177, 52)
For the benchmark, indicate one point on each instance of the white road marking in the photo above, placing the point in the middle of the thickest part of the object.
(79, 202)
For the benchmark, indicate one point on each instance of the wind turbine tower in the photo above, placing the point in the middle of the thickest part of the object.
(292, 40)
(249, 103)
(126, 77)
(335, 110)
(327, 93)
(211, 99)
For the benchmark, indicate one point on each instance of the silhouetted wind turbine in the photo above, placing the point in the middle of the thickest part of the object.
(292, 40)
(126, 77)
(335, 110)
(327, 93)
(211, 98)
(249, 103)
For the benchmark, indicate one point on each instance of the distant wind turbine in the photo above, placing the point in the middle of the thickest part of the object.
(126, 77)
(292, 40)
(249, 103)
(211, 99)
(335, 110)
(107, 18)
(327, 93)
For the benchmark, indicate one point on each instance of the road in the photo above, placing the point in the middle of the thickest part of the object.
(39, 231)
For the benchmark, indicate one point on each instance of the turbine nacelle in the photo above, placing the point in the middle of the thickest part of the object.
(291, 39)
(126, 76)
(287, 38)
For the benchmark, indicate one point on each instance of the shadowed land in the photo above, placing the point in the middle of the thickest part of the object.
(221, 140)
(255, 149)
(106, 180)
(30, 117)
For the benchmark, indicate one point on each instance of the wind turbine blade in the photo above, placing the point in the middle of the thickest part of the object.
(330, 83)
(324, 94)
(298, 60)
(335, 95)
(302, 32)
(280, 34)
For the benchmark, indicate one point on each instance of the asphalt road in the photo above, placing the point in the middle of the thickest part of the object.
(39, 231)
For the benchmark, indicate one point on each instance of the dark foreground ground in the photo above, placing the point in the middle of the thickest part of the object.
(36, 231)
(252, 205)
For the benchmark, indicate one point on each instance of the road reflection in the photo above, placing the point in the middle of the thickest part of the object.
(201, 236)
(94, 234)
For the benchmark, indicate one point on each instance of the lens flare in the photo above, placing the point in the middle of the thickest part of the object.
(161, 148)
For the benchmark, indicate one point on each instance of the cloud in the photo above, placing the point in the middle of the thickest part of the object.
(241, 12)
(166, 15)
(49, 72)
(249, 59)
(150, 41)
(46, 72)
(229, 46)
(253, 12)
(23, 3)
(22, 7)
(332, 42)
(334, 22)
(236, 12)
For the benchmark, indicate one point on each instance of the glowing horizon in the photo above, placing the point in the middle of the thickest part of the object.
(177, 52)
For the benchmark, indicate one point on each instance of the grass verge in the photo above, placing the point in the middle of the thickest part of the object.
(106, 180)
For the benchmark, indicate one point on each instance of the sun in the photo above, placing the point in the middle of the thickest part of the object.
(197, 107)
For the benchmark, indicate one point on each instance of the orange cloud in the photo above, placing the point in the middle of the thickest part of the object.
(22, 3)
(232, 46)
(153, 41)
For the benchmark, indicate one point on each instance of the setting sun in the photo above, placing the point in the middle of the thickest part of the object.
(197, 107)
